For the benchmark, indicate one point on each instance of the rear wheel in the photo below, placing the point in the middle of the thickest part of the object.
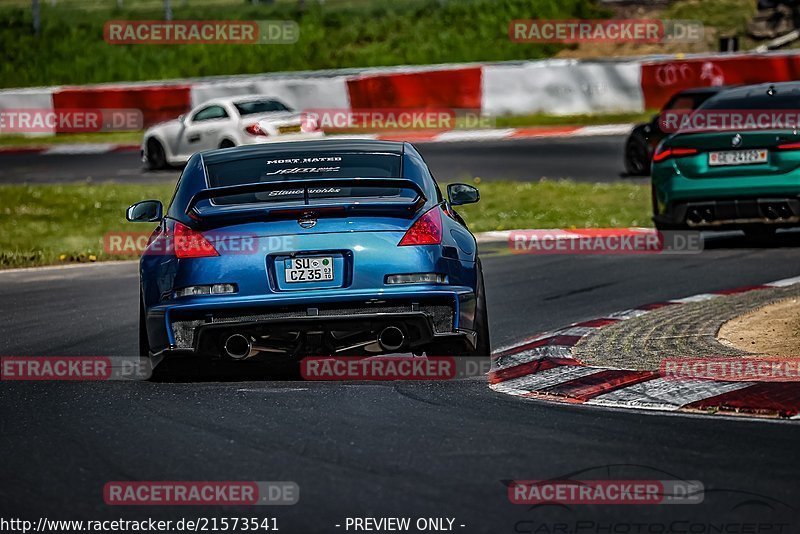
(144, 344)
(637, 161)
(654, 200)
(227, 143)
(156, 157)
(660, 226)
(483, 345)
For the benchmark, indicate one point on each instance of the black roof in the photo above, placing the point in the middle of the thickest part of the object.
(714, 89)
(318, 145)
(780, 88)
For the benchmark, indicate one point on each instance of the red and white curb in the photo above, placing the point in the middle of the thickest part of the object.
(562, 234)
(453, 136)
(543, 367)
(499, 134)
(70, 149)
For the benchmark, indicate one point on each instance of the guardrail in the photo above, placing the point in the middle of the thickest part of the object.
(558, 87)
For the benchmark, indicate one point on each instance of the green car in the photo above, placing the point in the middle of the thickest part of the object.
(732, 164)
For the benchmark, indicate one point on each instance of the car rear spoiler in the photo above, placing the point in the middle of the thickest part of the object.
(277, 208)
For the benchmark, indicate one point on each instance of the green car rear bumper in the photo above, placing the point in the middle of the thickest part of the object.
(724, 202)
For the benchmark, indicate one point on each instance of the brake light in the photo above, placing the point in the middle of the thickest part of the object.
(666, 153)
(255, 129)
(789, 146)
(191, 243)
(427, 230)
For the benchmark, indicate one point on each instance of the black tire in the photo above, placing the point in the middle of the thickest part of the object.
(659, 225)
(227, 143)
(637, 157)
(144, 343)
(483, 342)
(156, 157)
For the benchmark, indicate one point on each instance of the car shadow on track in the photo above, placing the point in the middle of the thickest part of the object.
(190, 370)
(737, 240)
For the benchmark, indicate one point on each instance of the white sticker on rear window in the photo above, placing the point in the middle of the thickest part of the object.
(314, 159)
(311, 191)
(304, 170)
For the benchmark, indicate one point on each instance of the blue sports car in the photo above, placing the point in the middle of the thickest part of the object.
(330, 247)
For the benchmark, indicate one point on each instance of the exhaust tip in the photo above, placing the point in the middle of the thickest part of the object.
(695, 216)
(701, 214)
(238, 346)
(391, 338)
(771, 212)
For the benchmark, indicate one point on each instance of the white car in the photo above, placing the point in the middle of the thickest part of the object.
(224, 123)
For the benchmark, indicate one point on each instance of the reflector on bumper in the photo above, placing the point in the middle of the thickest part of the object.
(417, 278)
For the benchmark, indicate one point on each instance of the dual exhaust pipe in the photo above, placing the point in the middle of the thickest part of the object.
(772, 211)
(240, 347)
(775, 211)
(701, 215)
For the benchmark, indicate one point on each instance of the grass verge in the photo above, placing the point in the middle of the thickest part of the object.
(507, 205)
(539, 119)
(70, 48)
(121, 138)
(55, 224)
(58, 224)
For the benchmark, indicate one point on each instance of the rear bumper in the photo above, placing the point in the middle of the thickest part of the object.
(307, 324)
(731, 213)
(724, 202)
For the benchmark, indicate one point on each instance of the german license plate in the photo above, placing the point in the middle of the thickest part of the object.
(737, 157)
(316, 269)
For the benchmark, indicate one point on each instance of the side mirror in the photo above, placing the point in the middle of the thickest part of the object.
(182, 119)
(460, 194)
(145, 211)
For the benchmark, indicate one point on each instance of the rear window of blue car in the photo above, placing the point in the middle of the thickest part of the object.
(290, 167)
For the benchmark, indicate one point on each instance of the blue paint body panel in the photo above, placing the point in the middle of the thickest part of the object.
(363, 244)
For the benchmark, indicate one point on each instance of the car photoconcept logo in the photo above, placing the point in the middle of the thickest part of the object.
(307, 221)
(736, 141)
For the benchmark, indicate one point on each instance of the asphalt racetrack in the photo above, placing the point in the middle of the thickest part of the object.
(402, 449)
(600, 159)
(418, 449)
